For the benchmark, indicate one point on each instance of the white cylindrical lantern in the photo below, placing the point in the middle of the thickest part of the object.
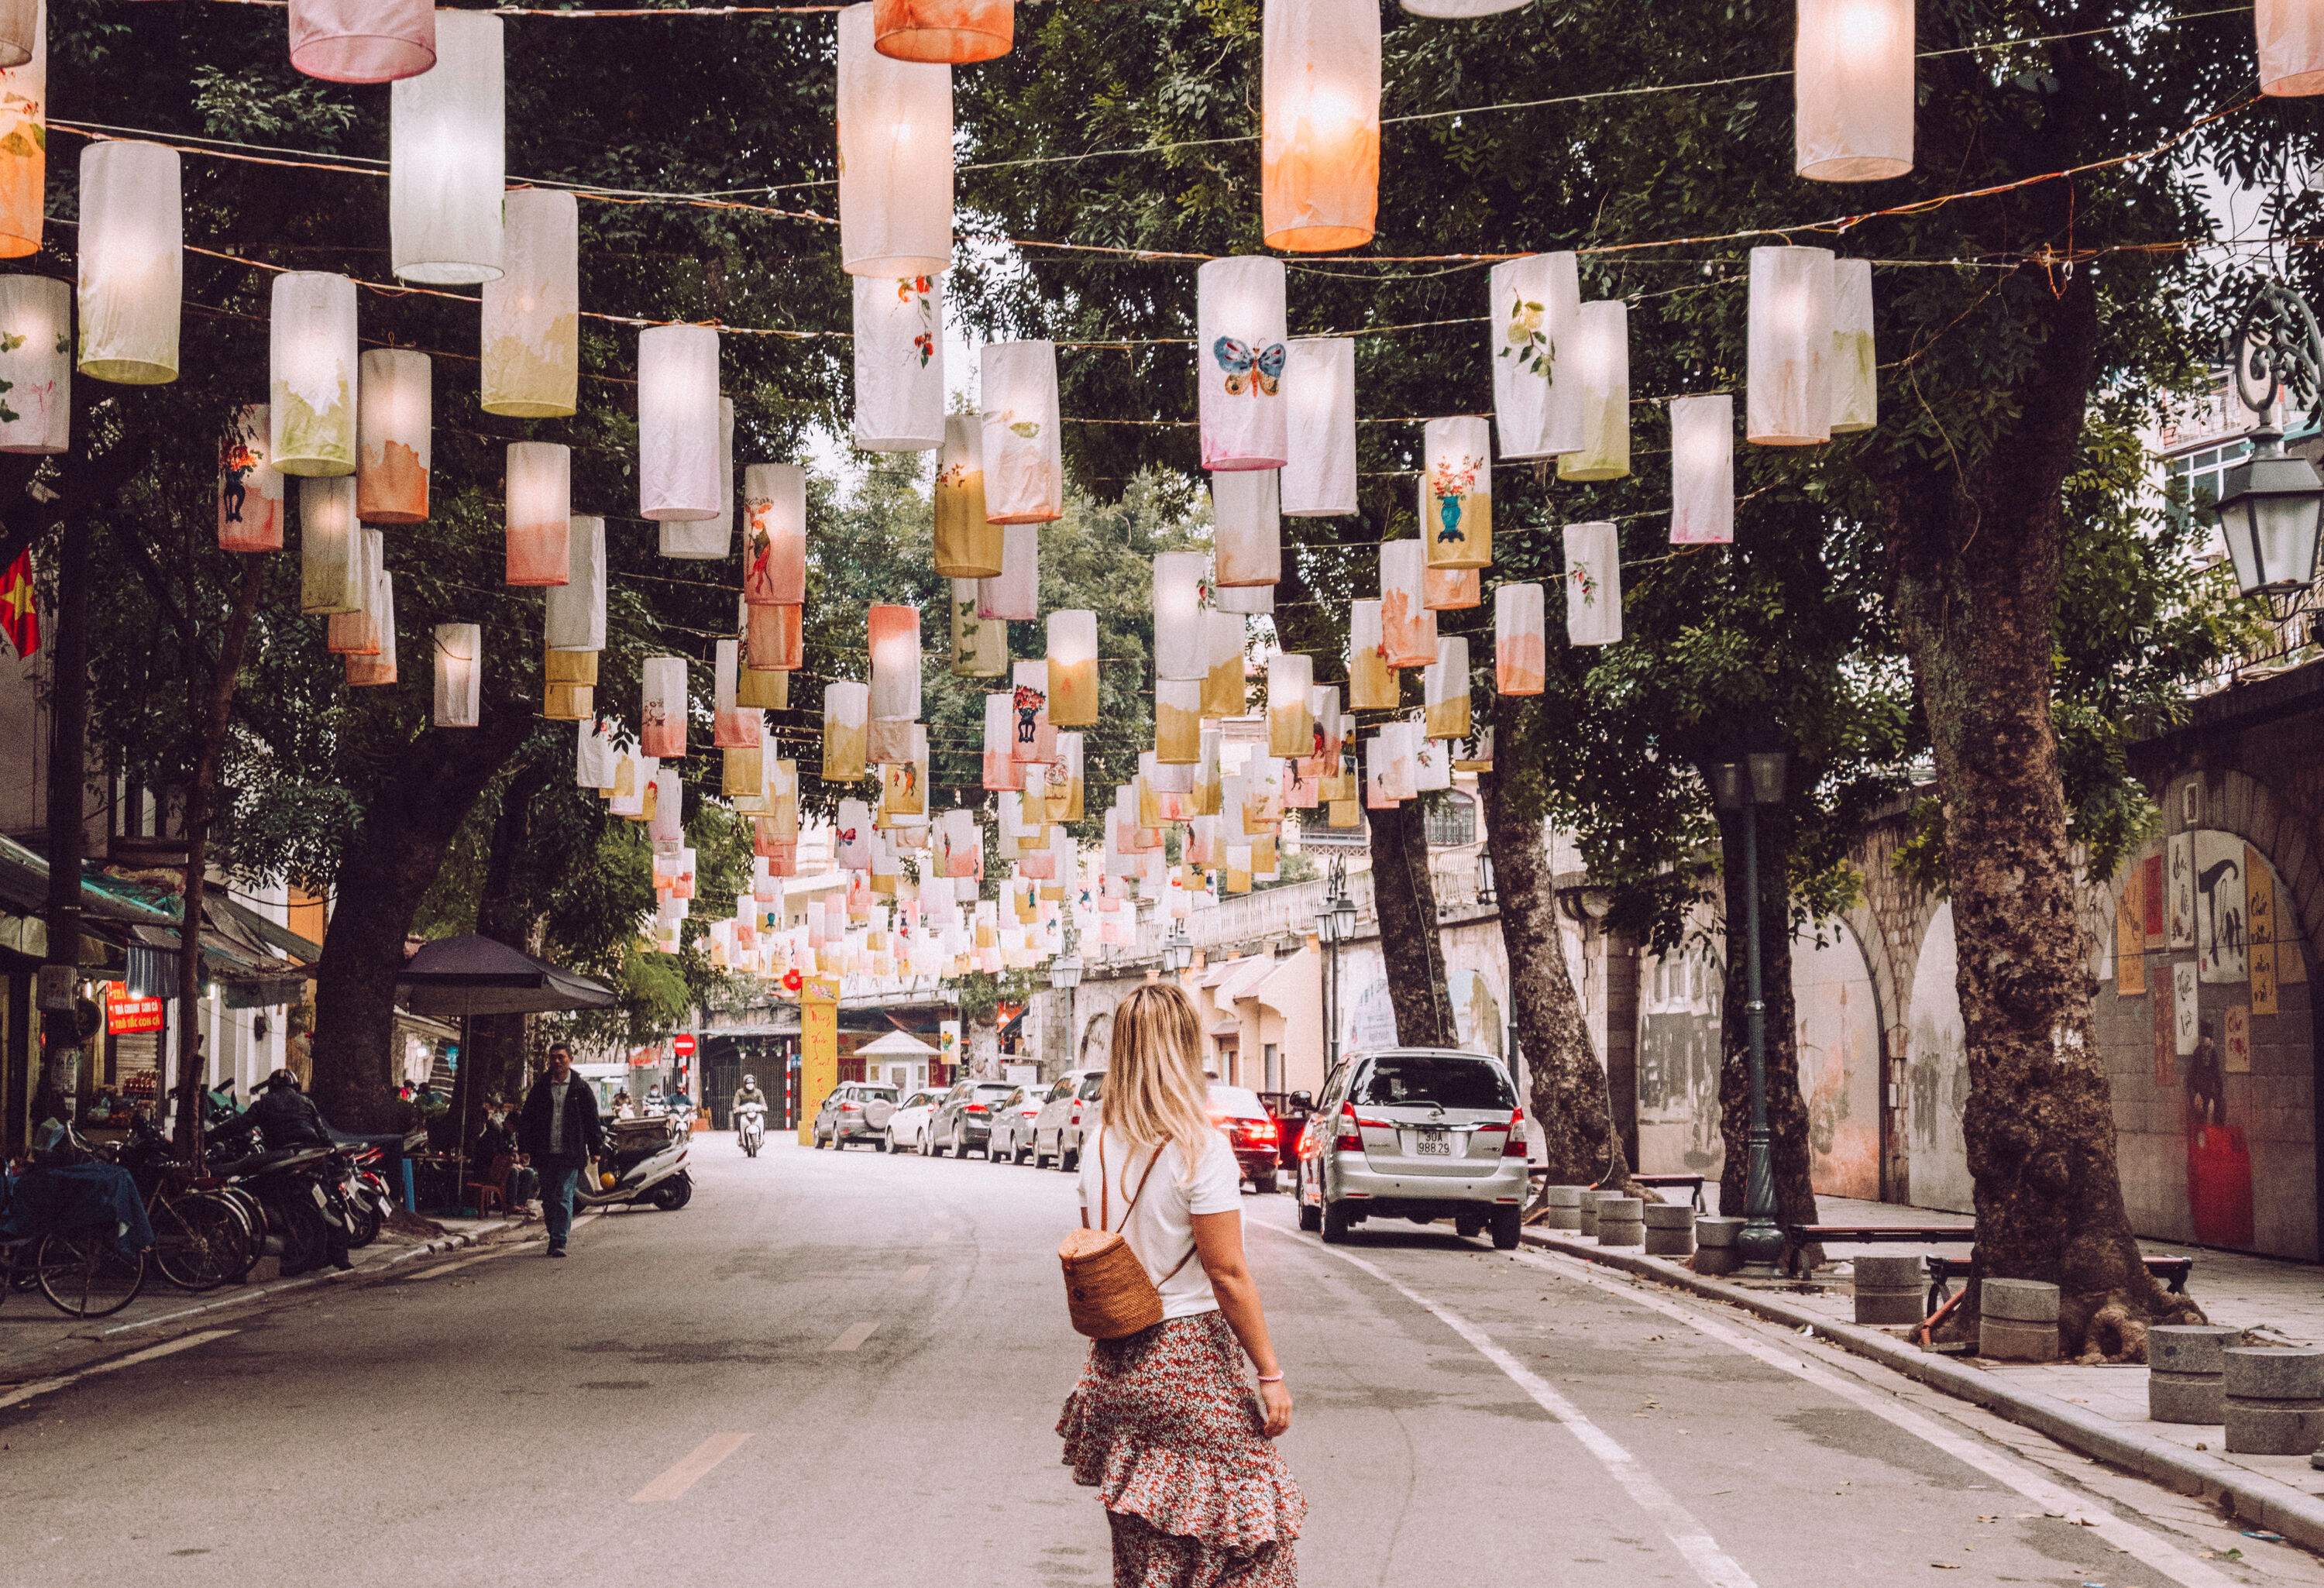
(968, 543)
(1456, 493)
(394, 419)
(900, 365)
(1000, 771)
(250, 489)
(1593, 584)
(1407, 628)
(24, 144)
(379, 668)
(895, 158)
(2290, 36)
(1319, 123)
(577, 607)
(1371, 682)
(955, 32)
(459, 674)
(774, 534)
(132, 254)
(1852, 90)
(1245, 600)
(661, 708)
(312, 368)
(21, 33)
(1702, 470)
(330, 554)
(540, 513)
(1072, 668)
(1789, 347)
(1520, 640)
(711, 539)
(846, 730)
(1037, 737)
(1014, 592)
(1445, 689)
(36, 361)
(1024, 471)
(1290, 726)
(1246, 528)
(532, 312)
(1239, 327)
(357, 632)
(1223, 637)
(362, 40)
(1600, 368)
(1319, 396)
(446, 157)
(979, 645)
(1855, 372)
(895, 646)
(677, 423)
(1177, 615)
(1535, 301)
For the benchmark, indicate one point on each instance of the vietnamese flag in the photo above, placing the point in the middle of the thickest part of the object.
(20, 611)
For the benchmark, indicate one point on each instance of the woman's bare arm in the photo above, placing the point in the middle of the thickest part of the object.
(1218, 1243)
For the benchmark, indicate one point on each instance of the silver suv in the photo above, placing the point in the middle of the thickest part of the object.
(1070, 1106)
(856, 1110)
(1421, 1133)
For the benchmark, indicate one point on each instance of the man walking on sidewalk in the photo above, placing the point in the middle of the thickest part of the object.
(559, 1130)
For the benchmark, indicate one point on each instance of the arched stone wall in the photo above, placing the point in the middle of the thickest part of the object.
(1839, 1042)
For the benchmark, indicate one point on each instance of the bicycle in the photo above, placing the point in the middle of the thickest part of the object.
(83, 1273)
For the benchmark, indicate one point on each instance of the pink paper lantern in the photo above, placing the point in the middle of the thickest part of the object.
(362, 40)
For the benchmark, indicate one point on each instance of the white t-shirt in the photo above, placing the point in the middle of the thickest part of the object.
(1162, 1229)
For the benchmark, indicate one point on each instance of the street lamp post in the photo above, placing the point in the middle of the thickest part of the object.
(1744, 786)
(2269, 504)
(1177, 950)
(1335, 924)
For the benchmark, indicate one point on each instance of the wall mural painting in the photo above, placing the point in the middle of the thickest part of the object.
(1839, 1045)
(1678, 1059)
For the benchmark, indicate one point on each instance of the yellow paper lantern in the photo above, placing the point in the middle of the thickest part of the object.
(1290, 727)
(979, 645)
(1601, 367)
(532, 312)
(311, 374)
(1224, 694)
(1445, 689)
(968, 544)
(846, 712)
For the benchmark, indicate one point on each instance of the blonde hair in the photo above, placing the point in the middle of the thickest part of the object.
(1156, 1093)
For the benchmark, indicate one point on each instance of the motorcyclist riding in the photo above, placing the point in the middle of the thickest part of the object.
(748, 1093)
(750, 1115)
(283, 1116)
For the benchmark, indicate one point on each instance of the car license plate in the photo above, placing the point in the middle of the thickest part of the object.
(1434, 1143)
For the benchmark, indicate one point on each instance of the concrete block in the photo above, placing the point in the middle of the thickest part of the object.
(2255, 1374)
(2273, 1428)
(1670, 1229)
(1669, 1215)
(2185, 1397)
(1712, 1230)
(1620, 1222)
(2014, 1340)
(2020, 1301)
(1888, 1290)
(1565, 1204)
(1591, 1199)
(2190, 1348)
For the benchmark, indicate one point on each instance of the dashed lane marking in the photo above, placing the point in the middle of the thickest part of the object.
(854, 1338)
(690, 1470)
(24, 1392)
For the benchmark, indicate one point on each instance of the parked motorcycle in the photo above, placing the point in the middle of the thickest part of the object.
(751, 1127)
(363, 1191)
(297, 1189)
(643, 1163)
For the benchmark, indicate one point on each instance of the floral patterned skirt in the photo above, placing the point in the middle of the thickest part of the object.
(1164, 1426)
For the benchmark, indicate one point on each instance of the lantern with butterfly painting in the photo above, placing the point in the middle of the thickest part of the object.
(774, 534)
(531, 365)
(1702, 470)
(1024, 471)
(24, 140)
(394, 409)
(539, 512)
(1246, 528)
(35, 360)
(1520, 654)
(1599, 364)
(1319, 401)
(250, 489)
(1319, 123)
(1239, 321)
(1456, 493)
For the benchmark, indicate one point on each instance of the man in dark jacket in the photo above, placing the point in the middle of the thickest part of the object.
(281, 1115)
(559, 1131)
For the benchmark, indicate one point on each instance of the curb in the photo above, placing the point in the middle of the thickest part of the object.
(2244, 1495)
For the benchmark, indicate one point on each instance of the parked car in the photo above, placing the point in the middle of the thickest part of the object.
(1291, 1109)
(1013, 1116)
(909, 1125)
(856, 1110)
(1057, 1131)
(1250, 1131)
(962, 1121)
(1419, 1133)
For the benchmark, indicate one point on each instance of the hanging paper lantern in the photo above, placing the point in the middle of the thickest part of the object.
(1702, 470)
(1000, 771)
(1536, 301)
(36, 362)
(2291, 38)
(775, 637)
(1445, 689)
(539, 512)
(1072, 668)
(330, 557)
(532, 312)
(955, 32)
(362, 40)
(1319, 123)
(1244, 600)
(1240, 323)
(1178, 721)
(774, 531)
(711, 539)
(846, 719)
(895, 646)
(1854, 369)
(19, 30)
(394, 412)
(661, 710)
(132, 243)
(904, 784)
(1407, 628)
(1036, 737)
(1601, 370)
(742, 768)
(312, 368)
(1177, 615)
(1066, 789)
(576, 611)
(1015, 593)
(1456, 493)
(1223, 695)
(355, 632)
(761, 689)
(1246, 528)
(1024, 472)
(364, 671)
(968, 544)
(666, 826)
(459, 674)
(1790, 348)
(900, 366)
(1451, 589)
(677, 423)
(1371, 682)
(895, 158)
(979, 645)
(1593, 584)
(1520, 640)
(1290, 725)
(250, 489)
(1852, 90)
(730, 726)
(24, 144)
(1319, 395)
(447, 158)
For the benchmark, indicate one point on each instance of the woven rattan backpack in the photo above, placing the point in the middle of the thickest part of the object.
(1107, 1290)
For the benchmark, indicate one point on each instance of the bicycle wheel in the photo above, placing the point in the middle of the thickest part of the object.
(198, 1242)
(86, 1275)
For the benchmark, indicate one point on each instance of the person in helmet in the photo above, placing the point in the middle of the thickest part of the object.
(283, 1115)
(280, 1115)
(748, 1093)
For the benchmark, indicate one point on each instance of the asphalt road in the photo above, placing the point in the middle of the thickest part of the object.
(845, 1369)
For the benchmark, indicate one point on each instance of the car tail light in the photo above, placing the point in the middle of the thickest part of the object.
(1347, 1139)
(975, 1108)
(1259, 1130)
(851, 1108)
(1515, 1147)
(1077, 1113)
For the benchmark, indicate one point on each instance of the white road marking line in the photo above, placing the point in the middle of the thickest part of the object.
(854, 1338)
(167, 1348)
(690, 1470)
(915, 1273)
(1687, 1534)
(2127, 1537)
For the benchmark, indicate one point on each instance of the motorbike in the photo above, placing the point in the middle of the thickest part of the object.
(751, 1127)
(297, 1191)
(363, 1191)
(643, 1162)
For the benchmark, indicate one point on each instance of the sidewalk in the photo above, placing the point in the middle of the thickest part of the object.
(2100, 1411)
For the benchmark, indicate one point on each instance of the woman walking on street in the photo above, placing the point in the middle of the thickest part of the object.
(1163, 1424)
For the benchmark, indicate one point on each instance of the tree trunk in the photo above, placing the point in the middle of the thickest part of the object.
(1787, 1110)
(1570, 1099)
(1404, 901)
(493, 1060)
(387, 869)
